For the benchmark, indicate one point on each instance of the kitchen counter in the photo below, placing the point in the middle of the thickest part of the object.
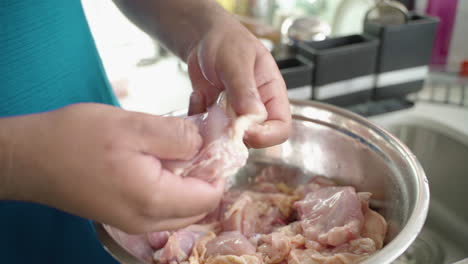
(450, 116)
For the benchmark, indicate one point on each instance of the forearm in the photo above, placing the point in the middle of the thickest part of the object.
(17, 155)
(6, 146)
(179, 24)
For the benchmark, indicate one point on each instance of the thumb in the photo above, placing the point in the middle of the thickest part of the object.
(170, 138)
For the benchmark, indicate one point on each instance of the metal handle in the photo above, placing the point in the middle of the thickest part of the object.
(399, 16)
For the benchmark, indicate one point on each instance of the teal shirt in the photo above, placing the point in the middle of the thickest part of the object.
(48, 60)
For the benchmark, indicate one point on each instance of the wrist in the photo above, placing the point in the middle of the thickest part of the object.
(18, 156)
(214, 16)
(5, 159)
(11, 139)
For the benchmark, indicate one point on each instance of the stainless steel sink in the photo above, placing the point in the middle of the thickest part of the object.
(443, 153)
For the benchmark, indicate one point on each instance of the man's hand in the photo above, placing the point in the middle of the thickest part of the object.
(230, 58)
(221, 55)
(103, 163)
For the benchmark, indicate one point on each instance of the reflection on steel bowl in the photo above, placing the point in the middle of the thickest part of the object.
(350, 150)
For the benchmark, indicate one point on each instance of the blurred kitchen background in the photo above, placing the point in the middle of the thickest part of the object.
(148, 78)
(403, 64)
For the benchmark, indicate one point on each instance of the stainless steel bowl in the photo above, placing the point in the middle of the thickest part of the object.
(338, 144)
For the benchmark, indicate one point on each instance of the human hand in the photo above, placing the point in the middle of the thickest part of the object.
(103, 163)
(228, 57)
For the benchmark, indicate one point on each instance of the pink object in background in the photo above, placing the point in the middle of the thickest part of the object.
(446, 11)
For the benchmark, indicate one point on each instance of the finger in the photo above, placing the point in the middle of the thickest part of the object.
(177, 223)
(272, 90)
(236, 72)
(148, 194)
(186, 197)
(270, 133)
(160, 195)
(157, 240)
(196, 104)
(159, 136)
(205, 93)
(278, 125)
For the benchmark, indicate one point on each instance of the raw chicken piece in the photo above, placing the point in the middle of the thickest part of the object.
(293, 232)
(313, 185)
(239, 216)
(199, 250)
(282, 203)
(375, 227)
(230, 259)
(180, 243)
(137, 245)
(349, 253)
(255, 212)
(367, 242)
(275, 247)
(359, 246)
(266, 187)
(311, 256)
(230, 243)
(177, 248)
(279, 174)
(200, 256)
(331, 215)
(223, 151)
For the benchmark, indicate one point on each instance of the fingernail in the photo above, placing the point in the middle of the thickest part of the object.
(260, 107)
(256, 94)
(196, 103)
(195, 97)
(198, 138)
(194, 137)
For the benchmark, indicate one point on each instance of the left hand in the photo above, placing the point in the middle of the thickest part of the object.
(228, 57)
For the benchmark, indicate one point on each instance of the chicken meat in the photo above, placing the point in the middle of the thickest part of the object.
(315, 222)
(223, 152)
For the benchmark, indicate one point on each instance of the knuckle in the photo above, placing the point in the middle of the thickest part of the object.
(146, 209)
(137, 123)
(110, 144)
(114, 131)
(148, 206)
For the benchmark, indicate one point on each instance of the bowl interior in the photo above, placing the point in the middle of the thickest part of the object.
(339, 153)
(337, 144)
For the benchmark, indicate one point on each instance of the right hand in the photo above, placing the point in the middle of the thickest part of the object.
(103, 163)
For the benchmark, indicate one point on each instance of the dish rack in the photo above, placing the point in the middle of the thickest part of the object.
(439, 88)
(444, 88)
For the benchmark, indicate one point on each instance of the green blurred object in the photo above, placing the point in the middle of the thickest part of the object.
(312, 7)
